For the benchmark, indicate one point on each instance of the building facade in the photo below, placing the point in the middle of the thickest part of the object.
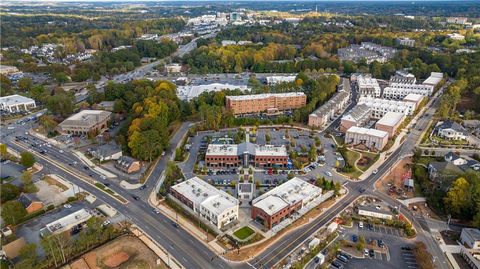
(368, 87)
(357, 116)
(370, 211)
(86, 122)
(269, 102)
(219, 156)
(371, 138)
(405, 41)
(280, 203)
(16, 103)
(379, 107)
(390, 122)
(398, 91)
(214, 206)
(324, 113)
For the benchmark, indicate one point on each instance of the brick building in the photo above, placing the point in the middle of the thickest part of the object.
(390, 122)
(276, 205)
(268, 102)
(245, 154)
(85, 122)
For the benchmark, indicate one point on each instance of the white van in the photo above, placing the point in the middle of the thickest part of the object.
(360, 225)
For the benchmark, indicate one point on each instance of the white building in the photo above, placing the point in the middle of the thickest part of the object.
(368, 86)
(433, 79)
(370, 211)
(173, 68)
(457, 20)
(66, 223)
(370, 138)
(280, 79)
(451, 130)
(228, 42)
(456, 36)
(7, 69)
(14, 103)
(379, 107)
(214, 206)
(470, 237)
(405, 41)
(191, 91)
(414, 98)
(398, 91)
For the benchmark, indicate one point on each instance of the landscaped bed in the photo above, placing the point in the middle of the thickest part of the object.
(243, 233)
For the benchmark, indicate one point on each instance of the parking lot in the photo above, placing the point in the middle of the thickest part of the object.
(397, 249)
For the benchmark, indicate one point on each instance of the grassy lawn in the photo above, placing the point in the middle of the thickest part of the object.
(244, 232)
(350, 158)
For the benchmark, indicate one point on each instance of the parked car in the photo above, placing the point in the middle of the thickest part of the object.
(328, 173)
(354, 238)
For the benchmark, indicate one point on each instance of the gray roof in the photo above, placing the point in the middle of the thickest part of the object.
(359, 111)
(374, 209)
(246, 147)
(403, 80)
(26, 199)
(448, 124)
(444, 167)
(105, 150)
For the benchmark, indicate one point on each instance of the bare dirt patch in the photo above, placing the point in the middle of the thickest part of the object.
(126, 252)
(54, 182)
(392, 183)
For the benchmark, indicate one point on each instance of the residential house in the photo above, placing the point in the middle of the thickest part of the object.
(128, 164)
(30, 202)
(450, 130)
(106, 152)
(441, 171)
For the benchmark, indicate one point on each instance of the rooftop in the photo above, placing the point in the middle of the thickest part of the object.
(413, 97)
(192, 91)
(265, 95)
(374, 209)
(78, 217)
(391, 118)
(434, 78)
(252, 149)
(367, 131)
(15, 100)
(206, 195)
(87, 118)
(357, 113)
(472, 232)
(289, 193)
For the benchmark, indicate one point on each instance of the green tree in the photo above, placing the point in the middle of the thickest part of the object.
(458, 199)
(28, 185)
(27, 159)
(29, 257)
(360, 243)
(3, 150)
(61, 78)
(8, 192)
(25, 84)
(13, 212)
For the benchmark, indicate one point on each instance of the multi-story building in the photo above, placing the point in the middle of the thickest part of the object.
(433, 79)
(336, 104)
(390, 122)
(456, 36)
(368, 51)
(214, 206)
(379, 107)
(268, 102)
(189, 92)
(8, 69)
(449, 129)
(368, 86)
(405, 41)
(85, 122)
(414, 98)
(471, 238)
(402, 79)
(370, 138)
(16, 103)
(398, 91)
(245, 154)
(280, 79)
(358, 116)
(457, 20)
(276, 205)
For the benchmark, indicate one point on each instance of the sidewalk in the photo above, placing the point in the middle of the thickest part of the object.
(87, 161)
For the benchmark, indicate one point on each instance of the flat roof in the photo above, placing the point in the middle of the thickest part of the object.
(15, 100)
(377, 102)
(413, 97)
(75, 218)
(192, 91)
(434, 78)
(236, 150)
(289, 193)
(87, 117)
(265, 95)
(206, 195)
(391, 118)
(473, 233)
(367, 131)
(374, 209)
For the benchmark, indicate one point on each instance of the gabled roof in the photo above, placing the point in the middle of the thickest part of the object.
(444, 167)
(26, 199)
(448, 124)
(450, 157)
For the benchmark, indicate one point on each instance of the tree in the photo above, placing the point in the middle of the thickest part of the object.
(458, 200)
(3, 150)
(29, 257)
(361, 243)
(312, 154)
(28, 185)
(61, 78)
(337, 187)
(8, 192)
(13, 212)
(25, 84)
(27, 159)
(48, 123)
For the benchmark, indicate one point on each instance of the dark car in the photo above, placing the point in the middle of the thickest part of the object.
(361, 190)
(354, 238)
(337, 265)
(406, 248)
(135, 197)
(143, 187)
(86, 167)
(380, 243)
(106, 184)
(370, 227)
(325, 251)
(371, 253)
(342, 258)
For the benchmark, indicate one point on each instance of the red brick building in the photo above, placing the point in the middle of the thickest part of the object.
(268, 102)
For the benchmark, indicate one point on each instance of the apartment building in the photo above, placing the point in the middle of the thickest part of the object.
(390, 122)
(220, 156)
(368, 86)
(405, 41)
(268, 102)
(335, 105)
(370, 138)
(358, 116)
(280, 79)
(379, 107)
(471, 238)
(215, 207)
(16, 103)
(457, 20)
(414, 98)
(433, 79)
(402, 79)
(85, 122)
(398, 91)
(280, 203)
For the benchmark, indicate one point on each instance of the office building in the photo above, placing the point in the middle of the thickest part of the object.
(390, 122)
(379, 107)
(280, 79)
(405, 41)
(66, 223)
(368, 86)
(358, 116)
(280, 203)
(245, 154)
(370, 138)
(213, 206)
(86, 122)
(16, 103)
(267, 102)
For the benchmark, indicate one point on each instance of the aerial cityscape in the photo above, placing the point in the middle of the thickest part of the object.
(239, 134)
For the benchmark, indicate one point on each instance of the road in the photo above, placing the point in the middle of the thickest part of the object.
(186, 248)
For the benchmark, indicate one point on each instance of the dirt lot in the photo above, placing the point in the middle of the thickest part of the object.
(392, 183)
(126, 252)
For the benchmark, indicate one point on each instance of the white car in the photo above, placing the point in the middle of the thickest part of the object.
(328, 173)
(61, 151)
(375, 171)
(67, 205)
(105, 223)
